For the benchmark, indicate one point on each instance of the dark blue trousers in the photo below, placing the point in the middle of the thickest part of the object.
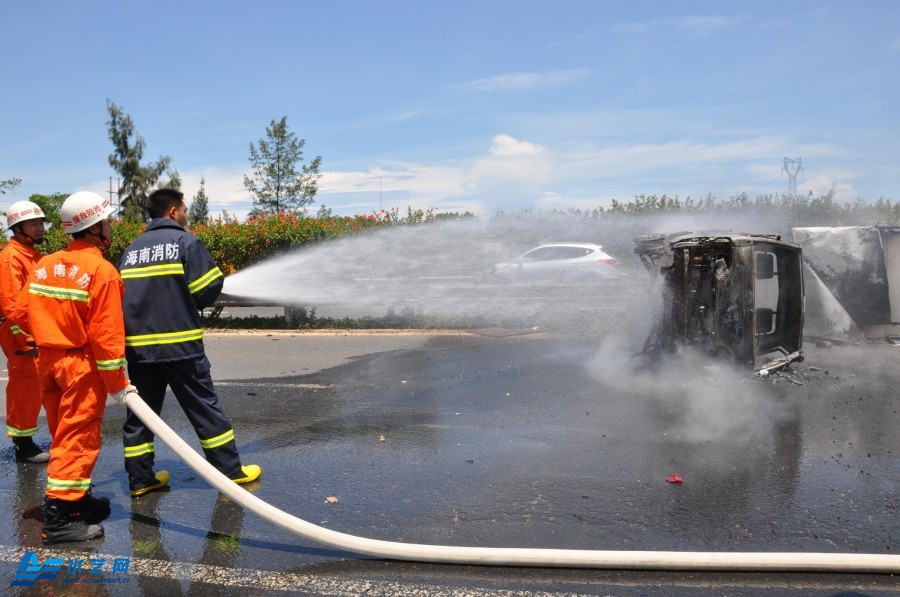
(192, 386)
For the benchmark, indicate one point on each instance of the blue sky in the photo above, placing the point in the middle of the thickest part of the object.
(462, 105)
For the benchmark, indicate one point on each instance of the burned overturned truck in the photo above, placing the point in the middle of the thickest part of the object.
(735, 296)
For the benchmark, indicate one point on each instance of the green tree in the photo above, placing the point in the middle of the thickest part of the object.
(199, 210)
(276, 185)
(56, 237)
(51, 205)
(138, 179)
(8, 185)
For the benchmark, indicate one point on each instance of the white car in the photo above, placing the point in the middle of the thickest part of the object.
(560, 262)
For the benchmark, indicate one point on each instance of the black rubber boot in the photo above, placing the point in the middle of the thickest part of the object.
(29, 452)
(89, 509)
(58, 528)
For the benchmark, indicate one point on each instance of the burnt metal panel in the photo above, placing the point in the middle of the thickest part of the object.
(738, 297)
(850, 261)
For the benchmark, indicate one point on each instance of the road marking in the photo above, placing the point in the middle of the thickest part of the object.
(309, 386)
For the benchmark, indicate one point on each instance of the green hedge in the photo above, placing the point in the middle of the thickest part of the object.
(237, 245)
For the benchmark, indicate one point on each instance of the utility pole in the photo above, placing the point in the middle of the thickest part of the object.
(116, 192)
(792, 168)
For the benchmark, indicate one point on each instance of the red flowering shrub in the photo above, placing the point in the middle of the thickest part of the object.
(236, 245)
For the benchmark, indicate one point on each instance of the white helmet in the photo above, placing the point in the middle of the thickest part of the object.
(20, 211)
(82, 210)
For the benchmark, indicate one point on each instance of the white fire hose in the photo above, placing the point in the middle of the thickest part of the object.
(512, 556)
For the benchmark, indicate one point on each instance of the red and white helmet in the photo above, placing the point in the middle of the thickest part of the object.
(21, 211)
(84, 209)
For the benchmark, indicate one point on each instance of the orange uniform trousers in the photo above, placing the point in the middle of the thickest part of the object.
(74, 398)
(23, 397)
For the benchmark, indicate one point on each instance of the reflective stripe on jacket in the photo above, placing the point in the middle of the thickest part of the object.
(17, 261)
(73, 300)
(169, 276)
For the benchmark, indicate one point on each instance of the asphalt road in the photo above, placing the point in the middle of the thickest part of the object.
(514, 438)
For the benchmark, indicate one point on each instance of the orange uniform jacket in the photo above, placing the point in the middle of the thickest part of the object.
(16, 263)
(74, 299)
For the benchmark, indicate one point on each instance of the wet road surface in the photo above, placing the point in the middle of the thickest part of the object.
(526, 439)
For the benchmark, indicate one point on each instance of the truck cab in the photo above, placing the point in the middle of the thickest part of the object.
(735, 296)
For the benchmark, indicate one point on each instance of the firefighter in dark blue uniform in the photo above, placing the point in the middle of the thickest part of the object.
(169, 276)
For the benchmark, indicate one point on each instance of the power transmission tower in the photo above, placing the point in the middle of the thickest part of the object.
(792, 168)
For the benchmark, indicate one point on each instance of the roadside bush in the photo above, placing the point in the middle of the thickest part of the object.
(235, 245)
(801, 210)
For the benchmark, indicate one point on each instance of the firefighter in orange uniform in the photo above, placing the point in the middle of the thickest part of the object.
(23, 397)
(72, 306)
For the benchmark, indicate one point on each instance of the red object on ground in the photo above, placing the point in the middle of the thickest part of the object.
(673, 478)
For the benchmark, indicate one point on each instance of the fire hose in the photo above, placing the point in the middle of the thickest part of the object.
(512, 556)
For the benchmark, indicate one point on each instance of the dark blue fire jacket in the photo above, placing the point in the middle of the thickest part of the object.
(169, 276)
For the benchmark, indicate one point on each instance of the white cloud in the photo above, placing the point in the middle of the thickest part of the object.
(510, 171)
(394, 185)
(224, 186)
(514, 81)
(513, 174)
(414, 179)
(504, 146)
(822, 185)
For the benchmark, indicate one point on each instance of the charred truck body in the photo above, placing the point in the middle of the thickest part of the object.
(735, 296)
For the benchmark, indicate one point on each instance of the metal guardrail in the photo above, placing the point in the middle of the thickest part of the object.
(224, 301)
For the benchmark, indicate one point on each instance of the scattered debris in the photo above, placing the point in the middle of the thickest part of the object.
(673, 478)
(794, 375)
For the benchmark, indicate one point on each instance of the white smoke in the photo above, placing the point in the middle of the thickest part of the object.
(704, 399)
